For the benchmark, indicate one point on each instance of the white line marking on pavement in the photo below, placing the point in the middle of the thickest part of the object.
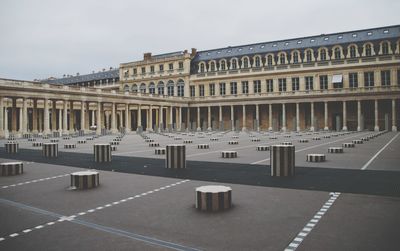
(376, 155)
(34, 181)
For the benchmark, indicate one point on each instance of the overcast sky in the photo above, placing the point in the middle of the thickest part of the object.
(39, 39)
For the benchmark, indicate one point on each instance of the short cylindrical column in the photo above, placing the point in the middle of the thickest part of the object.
(102, 152)
(11, 147)
(84, 180)
(11, 168)
(175, 156)
(282, 160)
(50, 150)
(213, 198)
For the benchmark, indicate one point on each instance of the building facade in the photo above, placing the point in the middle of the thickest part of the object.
(341, 81)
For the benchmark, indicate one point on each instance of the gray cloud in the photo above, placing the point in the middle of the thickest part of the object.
(51, 38)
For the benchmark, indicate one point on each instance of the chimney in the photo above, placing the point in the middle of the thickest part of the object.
(104, 69)
(194, 51)
(77, 74)
(64, 76)
(111, 68)
(147, 56)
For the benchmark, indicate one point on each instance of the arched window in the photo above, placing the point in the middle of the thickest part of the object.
(152, 88)
(385, 48)
(245, 63)
(322, 55)
(282, 58)
(295, 57)
(212, 66)
(143, 88)
(181, 88)
(269, 60)
(258, 62)
(201, 67)
(126, 88)
(170, 88)
(223, 65)
(352, 51)
(368, 50)
(160, 88)
(234, 64)
(134, 88)
(337, 53)
(309, 56)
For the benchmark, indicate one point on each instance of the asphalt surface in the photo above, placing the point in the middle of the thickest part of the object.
(140, 205)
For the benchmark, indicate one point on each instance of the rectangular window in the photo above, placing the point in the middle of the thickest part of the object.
(171, 66)
(353, 80)
(323, 82)
(134, 71)
(257, 86)
(181, 90)
(295, 84)
(152, 69)
(161, 67)
(270, 85)
(233, 88)
(212, 89)
(385, 78)
(309, 83)
(181, 65)
(369, 79)
(201, 90)
(222, 89)
(245, 87)
(192, 91)
(282, 84)
(143, 70)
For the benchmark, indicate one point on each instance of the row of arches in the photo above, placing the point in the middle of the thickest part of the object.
(160, 88)
(336, 52)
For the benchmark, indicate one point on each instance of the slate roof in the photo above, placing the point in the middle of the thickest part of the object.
(114, 73)
(388, 32)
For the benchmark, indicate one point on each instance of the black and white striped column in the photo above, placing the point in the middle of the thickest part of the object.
(102, 152)
(213, 198)
(159, 151)
(203, 146)
(175, 156)
(335, 150)
(11, 168)
(262, 148)
(11, 147)
(84, 180)
(50, 150)
(229, 154)
(348, 145)
(37, 144)
(69, 146)
(315, 157)
(282, 160)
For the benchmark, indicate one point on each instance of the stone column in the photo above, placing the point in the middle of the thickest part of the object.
(209, 118)
(232, 118)
(82, 115)
(220, 119)
(297, 117)
(14, 115)
(244, 118)
(113, 119)
(171, 118)
(93, 117)
(60, 122)
(139, 118)
(24, 115)
(46, 126)
(98, 123)
(20, 120)
(326, 127)
(198, 119)
(71, 116)
(5, 122)
(150, 125)
(2, 134)
(376, 128)
(34, 117)
(258, 117)
(270, 117)
(160, 119)
(54, 115)
(87, 115)
(188, 119)
(179, 119)
(312, 128)
(284, 117)
(65, 117)
(127, 119)
(358, 115)
(344, 117)
(394, 126)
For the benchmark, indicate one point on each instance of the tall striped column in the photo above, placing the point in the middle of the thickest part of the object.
(102, 152)
(282, 160)
(175, 157)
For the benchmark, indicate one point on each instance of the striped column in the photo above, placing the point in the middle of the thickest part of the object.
(175, 156)
(282, 160)
(11, 147)
(50, 150)
(84, 180)
(213, 198)
(102, 152)
(11, 168)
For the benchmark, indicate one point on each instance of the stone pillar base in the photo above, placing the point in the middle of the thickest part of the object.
(198, 129)
(344, 128)
(312, 128)
(209, 129)
(283, 129)
(394, 128)
(298, 129)
(376, 128)
(358, 128)
(244, 129)
(326, 128)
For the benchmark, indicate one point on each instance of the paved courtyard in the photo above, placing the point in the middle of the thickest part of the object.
(349, 202)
